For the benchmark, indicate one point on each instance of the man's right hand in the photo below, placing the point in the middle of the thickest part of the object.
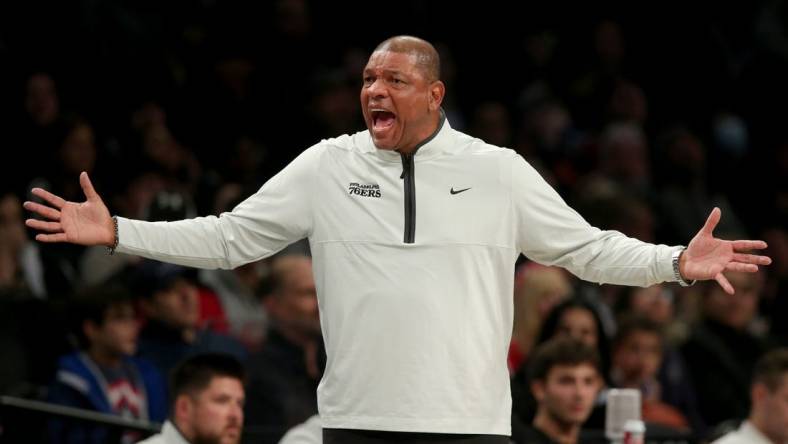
(85, 223)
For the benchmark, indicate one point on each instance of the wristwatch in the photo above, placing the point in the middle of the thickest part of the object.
(677, 272)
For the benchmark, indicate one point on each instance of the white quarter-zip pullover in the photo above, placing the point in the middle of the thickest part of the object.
(413, 261)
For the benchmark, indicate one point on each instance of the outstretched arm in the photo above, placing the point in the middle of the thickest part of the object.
(552, 233)
(278, 214)
(706, 257)
(84, 223)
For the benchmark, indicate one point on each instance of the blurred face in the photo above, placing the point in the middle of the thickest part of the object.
(79, 150)
(568, 392)
(12, 227)
(178, 306)
(295, 306)
(770, 411)
(162, 147)
(655, 303)
(638, 357)
(739, 309)
(41, 101)
(579, 323)
(400, 105)
(117, 336)
(215, 416)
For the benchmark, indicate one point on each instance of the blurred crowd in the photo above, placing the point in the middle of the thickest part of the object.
(642, 120)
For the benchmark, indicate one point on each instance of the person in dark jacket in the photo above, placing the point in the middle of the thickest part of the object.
(284, 375)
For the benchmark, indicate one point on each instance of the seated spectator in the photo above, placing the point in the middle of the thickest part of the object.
(208, 399)
(767, 422)
(537, 290)
(636, 358)
(656, 303)
(245, 318)
(575, 318)
(104, 376)
(284, 375)
(21, 271)
(171, 307)
(565, 381)
(721, 349)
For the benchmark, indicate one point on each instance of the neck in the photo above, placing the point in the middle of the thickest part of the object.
(758, 421)
(559, 431)
(435, 126)
(104, 358)
(181, 426)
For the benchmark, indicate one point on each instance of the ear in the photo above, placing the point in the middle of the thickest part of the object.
(758, 393)
(90, 329)
(182, 408)
(537, 389)
(437, 92)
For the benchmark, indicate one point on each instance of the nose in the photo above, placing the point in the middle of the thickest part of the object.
(377, 89)
(237, 413)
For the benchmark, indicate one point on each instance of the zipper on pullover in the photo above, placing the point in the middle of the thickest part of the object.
(409, 184)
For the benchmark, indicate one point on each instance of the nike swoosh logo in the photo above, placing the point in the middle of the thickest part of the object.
(453, 191)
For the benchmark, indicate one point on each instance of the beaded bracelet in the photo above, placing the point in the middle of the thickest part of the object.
(111, 250)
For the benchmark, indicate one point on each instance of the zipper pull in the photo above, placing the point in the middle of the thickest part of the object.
(405, 158)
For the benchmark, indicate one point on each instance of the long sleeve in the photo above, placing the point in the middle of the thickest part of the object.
(278, 214)
(552, 233)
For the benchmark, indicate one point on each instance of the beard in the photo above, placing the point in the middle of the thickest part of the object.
(216, 439)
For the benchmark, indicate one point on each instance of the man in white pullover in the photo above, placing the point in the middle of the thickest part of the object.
(414, 229)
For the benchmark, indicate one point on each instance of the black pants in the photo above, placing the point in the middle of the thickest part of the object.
(347, 436)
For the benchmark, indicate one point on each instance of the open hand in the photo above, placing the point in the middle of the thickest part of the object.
(84, 223)
(707, 257)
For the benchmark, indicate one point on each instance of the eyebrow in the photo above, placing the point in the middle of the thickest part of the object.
(386, 71)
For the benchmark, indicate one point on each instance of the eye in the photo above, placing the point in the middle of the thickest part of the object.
(397, 81)
(368, 80)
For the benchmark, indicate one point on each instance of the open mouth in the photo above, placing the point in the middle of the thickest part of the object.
(382, 119)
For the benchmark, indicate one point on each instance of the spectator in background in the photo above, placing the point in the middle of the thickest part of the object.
(721, 349)
(21, 271)
(207, 402)
(76, 152)
(628, 103)
(776, 281)
(236, 290)
(574, 318)
(491, 122)
(39, 129)
(565, 380)
(104, 376)
(170, 303)
(624, 158)
(537, 290)
(284, 375)
(656, 304)
(334, 108)
(28, 352)
(42, 103)
(636, 358)
(767, 422)
(684, 196)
